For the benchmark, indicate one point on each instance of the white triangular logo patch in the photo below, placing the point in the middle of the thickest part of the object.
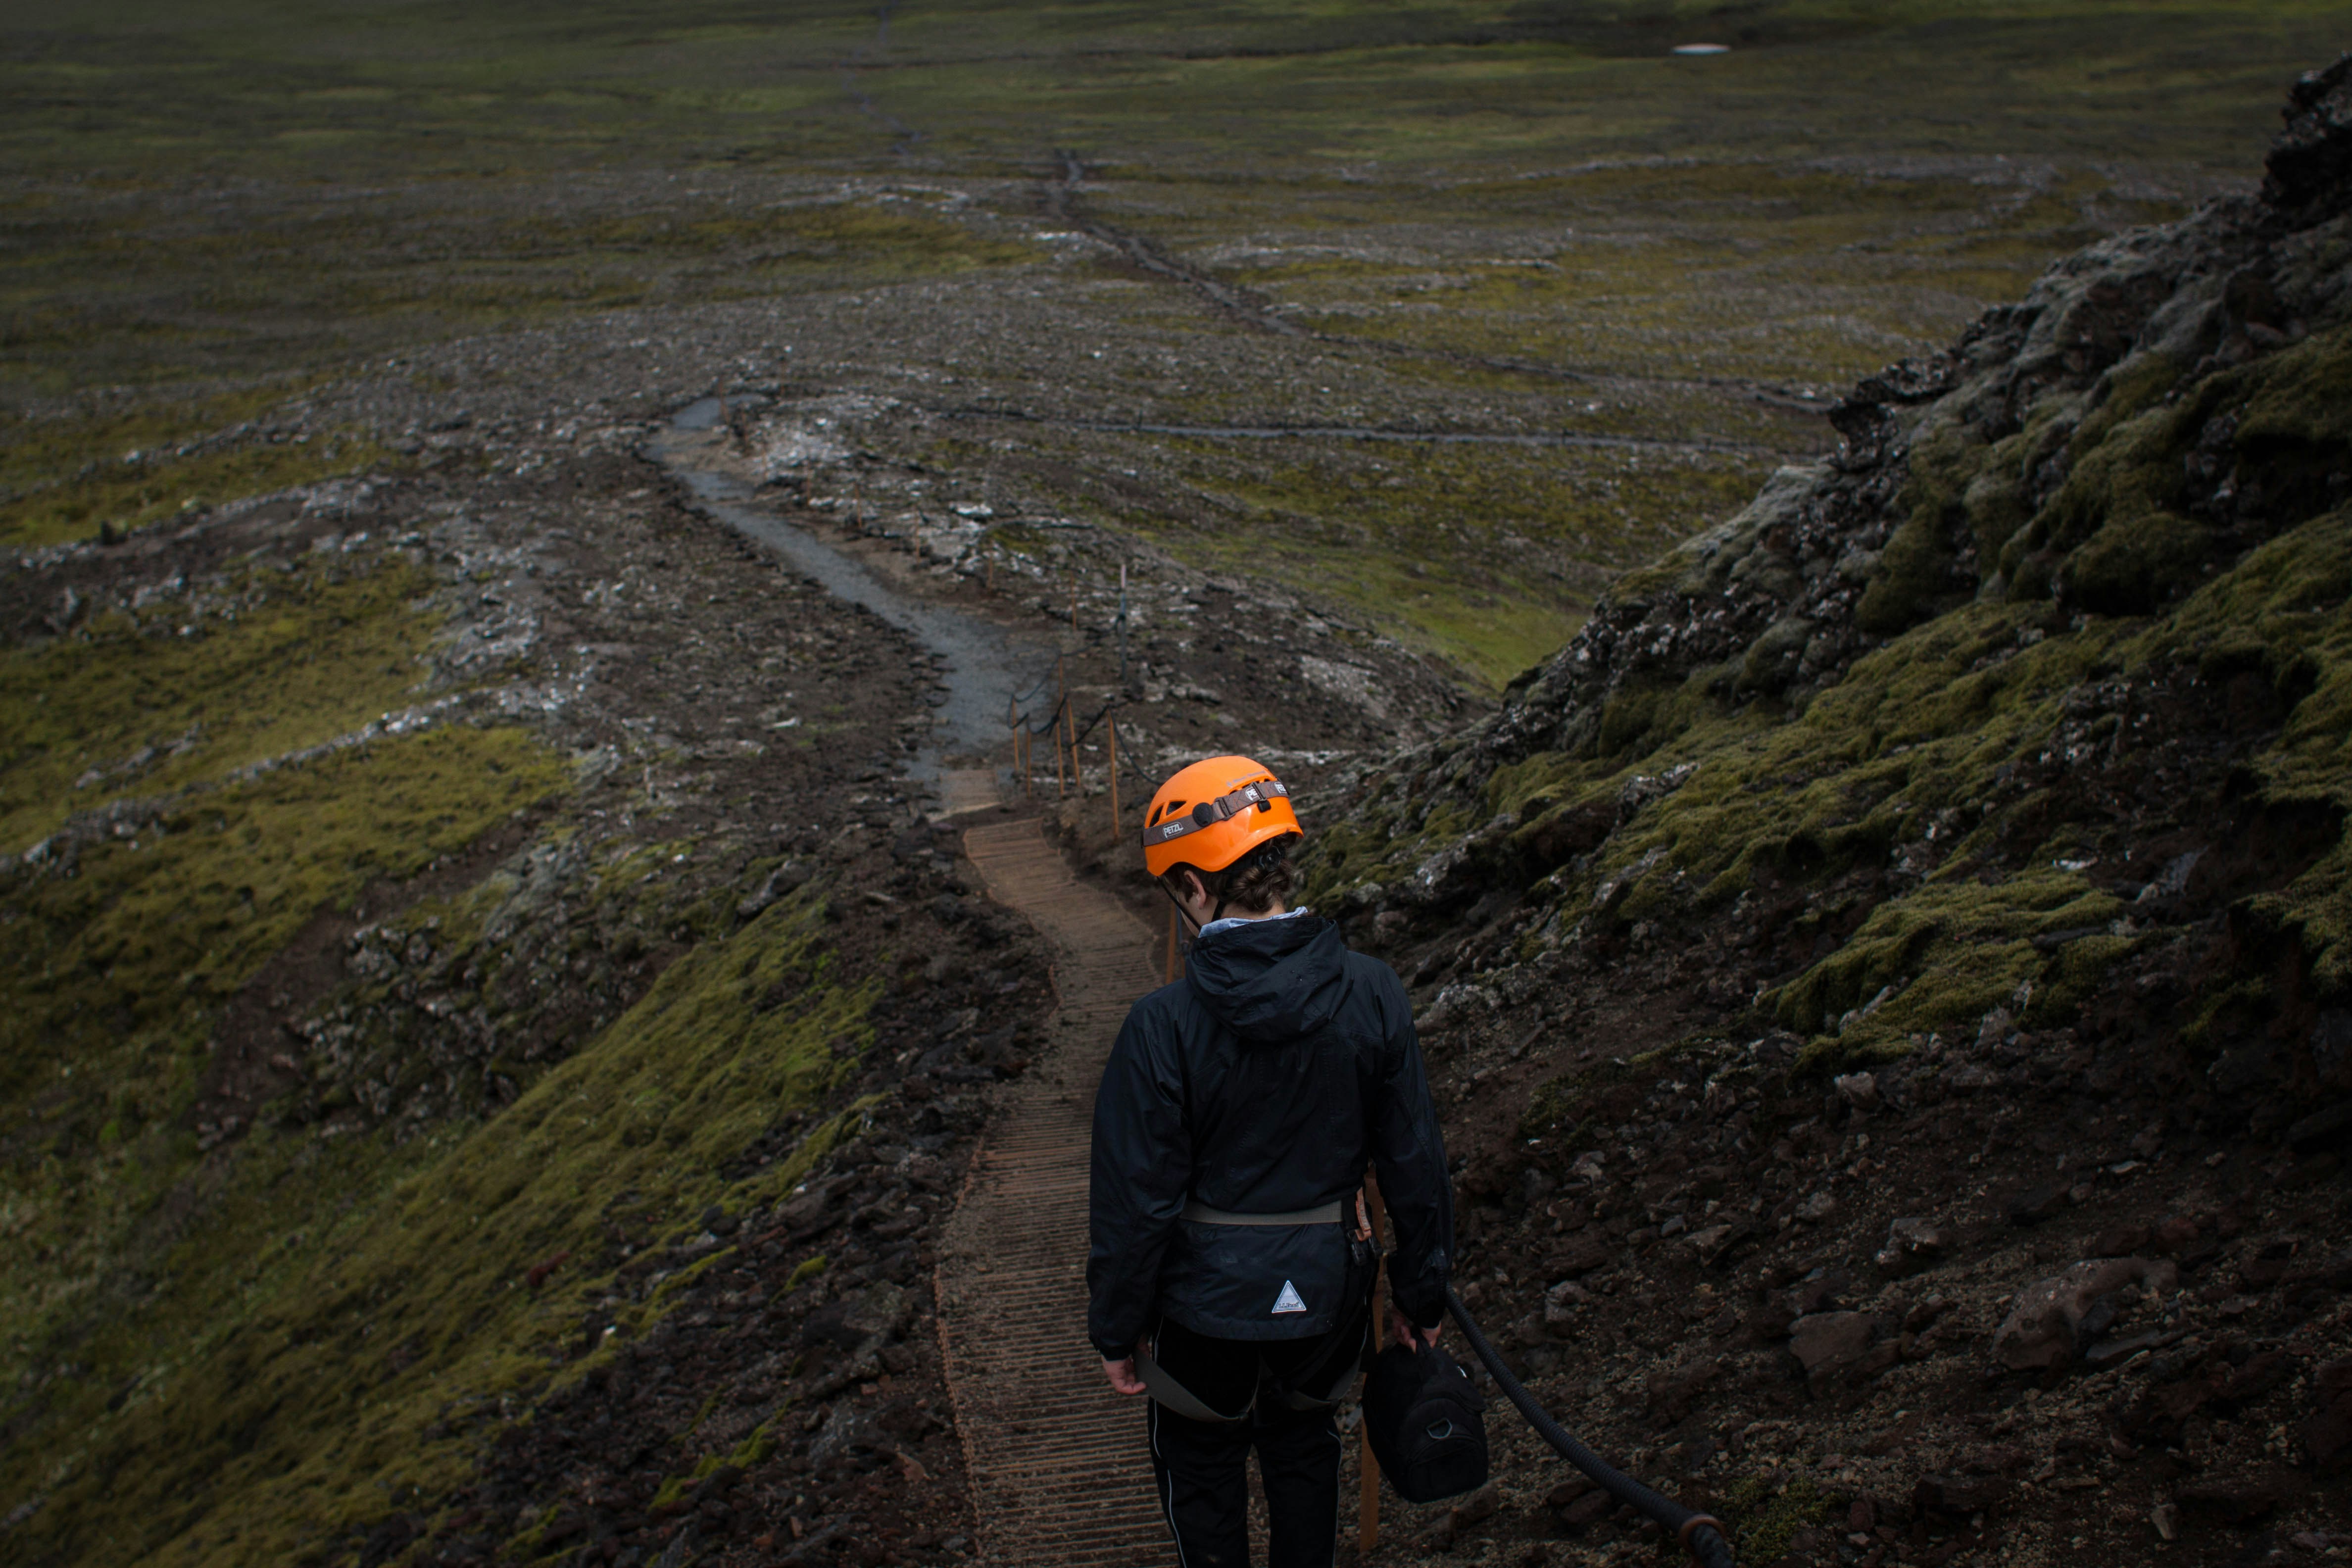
(1288, 1301)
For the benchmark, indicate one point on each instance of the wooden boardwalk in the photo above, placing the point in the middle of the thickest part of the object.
(1058, 1468)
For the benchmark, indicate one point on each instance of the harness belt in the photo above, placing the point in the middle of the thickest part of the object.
(1200, 1213)
(1174, 1396)
(1171, 1395)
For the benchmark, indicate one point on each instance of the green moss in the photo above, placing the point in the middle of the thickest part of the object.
(114, 977)
(269, 1367)
(890, 237)
(2301, 402)
(808, 1268)
(1765, 1518)
(2133, 565)
(124, 495)
(1948, 953)
(2286, 613)
(1484, 555)
(38, 452)
(255, 665)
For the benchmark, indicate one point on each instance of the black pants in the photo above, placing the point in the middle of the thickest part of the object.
(1200, 1467)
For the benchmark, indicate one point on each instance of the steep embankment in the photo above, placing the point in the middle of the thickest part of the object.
(1919, 908)
(482, 1034)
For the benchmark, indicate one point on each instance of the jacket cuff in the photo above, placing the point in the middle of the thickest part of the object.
(1424, 1305)
(1116, 1352)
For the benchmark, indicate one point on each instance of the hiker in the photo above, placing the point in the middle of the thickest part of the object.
(1231, 1269)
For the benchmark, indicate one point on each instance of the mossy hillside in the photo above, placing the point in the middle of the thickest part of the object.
(131, 492)
(41, 451)
(2116, 536)
(1937, 749)
(1705, 269)
(147, 697)
(1486, 555)
(115, 977)
(2285, 618)
(355, 1332)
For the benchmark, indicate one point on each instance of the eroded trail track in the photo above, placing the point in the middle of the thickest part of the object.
(1058, 1469)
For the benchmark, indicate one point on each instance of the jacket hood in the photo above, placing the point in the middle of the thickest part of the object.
(1271, 981)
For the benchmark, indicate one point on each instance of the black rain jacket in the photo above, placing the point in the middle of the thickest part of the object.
(1262, 1083)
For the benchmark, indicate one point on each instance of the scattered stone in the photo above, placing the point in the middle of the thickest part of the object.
(2121, 1241)
(2035, 1204)
(1820, 1290)
(1911, 1242)
(1860, 1089)
(1561, 1299)
(1839, 1346)
(1581, 1254)
(2110, 1353)
(2041, 1329)
(1673, 1393)
(1577, 1485)
(2237, 1499)
(785, 878)
(1962, 1496)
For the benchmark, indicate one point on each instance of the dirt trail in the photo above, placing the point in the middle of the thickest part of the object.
(1058, 1464)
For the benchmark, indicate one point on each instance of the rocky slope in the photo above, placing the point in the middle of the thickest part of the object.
(353, 832)
(1893, 971)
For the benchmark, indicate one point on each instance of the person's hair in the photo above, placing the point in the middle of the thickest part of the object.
(1258, 881)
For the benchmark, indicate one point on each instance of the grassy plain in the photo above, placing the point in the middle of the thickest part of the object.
(207, 199)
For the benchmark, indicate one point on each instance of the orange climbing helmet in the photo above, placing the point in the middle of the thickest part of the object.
(1213, 813)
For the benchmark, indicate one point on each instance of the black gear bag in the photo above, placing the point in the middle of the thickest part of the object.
(1427, 1422)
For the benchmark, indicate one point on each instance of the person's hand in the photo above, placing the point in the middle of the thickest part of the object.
(1121, 1373)
(1402, 1332)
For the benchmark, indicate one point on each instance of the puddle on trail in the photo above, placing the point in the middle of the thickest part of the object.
(988, 666)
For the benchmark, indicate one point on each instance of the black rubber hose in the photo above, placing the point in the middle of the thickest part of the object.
(1696, 1531)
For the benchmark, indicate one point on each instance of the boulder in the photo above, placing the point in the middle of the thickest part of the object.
(1860, 1089)
(2239, 1498)
(1585, 1251)
(1961, 1495)
(1561, 1299)
(2041, 1333)
(1835, 1347)
(1911, 1242)
(2035, 1204)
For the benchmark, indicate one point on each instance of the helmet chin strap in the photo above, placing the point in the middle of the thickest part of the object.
(1215, 914)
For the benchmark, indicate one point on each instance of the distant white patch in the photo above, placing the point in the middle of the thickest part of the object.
(1289, 1301)
(1350, 682)
(1702, 49)
(792, 446)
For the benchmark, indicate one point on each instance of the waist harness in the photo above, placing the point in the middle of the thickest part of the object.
(1323, 1382)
